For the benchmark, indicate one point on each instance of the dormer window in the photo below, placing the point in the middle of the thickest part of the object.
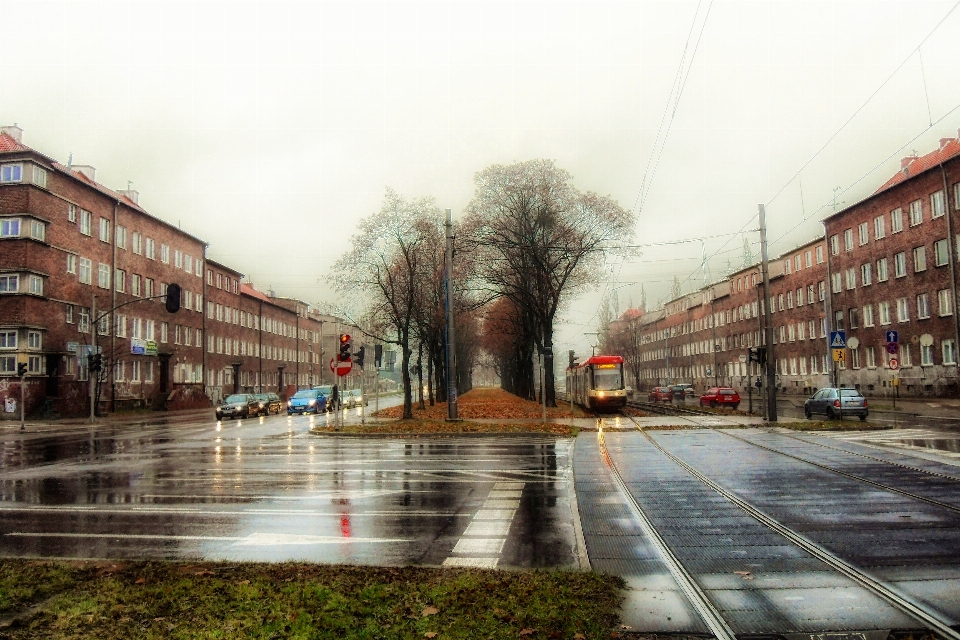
(11, 172)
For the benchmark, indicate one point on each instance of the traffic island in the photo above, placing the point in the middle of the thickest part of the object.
(106, 600)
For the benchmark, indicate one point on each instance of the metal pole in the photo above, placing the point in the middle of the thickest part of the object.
(23, 402)
(543, 386)
(91, 374)
(363, 400)
(768, 329)
(452, 413)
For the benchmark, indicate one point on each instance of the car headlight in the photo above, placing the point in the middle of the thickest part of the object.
(289, 404)
(312, 402)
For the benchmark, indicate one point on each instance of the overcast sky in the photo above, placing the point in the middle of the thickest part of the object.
(269, 129)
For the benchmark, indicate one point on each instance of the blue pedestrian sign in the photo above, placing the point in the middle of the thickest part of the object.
(893, 336)
(838, 339)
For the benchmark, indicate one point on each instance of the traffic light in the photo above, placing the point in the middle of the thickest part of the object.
(173, 297)
(378, 355)
(360, 356)
(21, 369)
(761, 356)
(752, 354)
(345, 344)
(95, 362)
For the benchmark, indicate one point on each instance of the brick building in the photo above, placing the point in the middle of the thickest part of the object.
(69, 244)
(885, 263)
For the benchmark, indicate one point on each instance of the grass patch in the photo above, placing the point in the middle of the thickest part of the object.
(292, 600)
(25, 582)
(835, 425)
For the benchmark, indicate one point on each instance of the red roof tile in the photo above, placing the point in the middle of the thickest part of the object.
(949, 148)
(248, 289)
(8, 144)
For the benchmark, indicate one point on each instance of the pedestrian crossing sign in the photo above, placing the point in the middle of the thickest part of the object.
(838, 339)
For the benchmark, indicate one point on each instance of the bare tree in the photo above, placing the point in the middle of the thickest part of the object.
(385, 263)
(541, 241)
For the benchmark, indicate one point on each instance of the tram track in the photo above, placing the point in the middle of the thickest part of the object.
(711, 614)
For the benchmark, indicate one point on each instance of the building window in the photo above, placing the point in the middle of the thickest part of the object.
(120, 325)
(949, 348)
(937, 208)
(164, 254)
(219, 281)
(848, 240)
(836, 284)
(118, 371)
(136, 328)
(926, 355)
(69, 314)
(851, 277)
(8, 339)
(38, 230)
(164, 332)
(868, 315)
(855, 358)
(863, 233)
(819, 254)
(787, 268)
(120, 277)
(822, 290)
(906, 360)
(866, 274)
(198, 268)
(137, 243)
(177, 259)
(871, 358)
(86, 222)
(40, 177)
(945, 302)
(834, 245)
(72, 213)
(35, 364)
(807, 259)
(150, 248)
(896, 220)
(35, 284)
(34, 340)
(900, 264)
(149, 376)
(799, 301)
(882, 275)
(121, 237)
(210, 277)
(941, 252)
(879, 228)
(923, 306)
(86, 271)
(9, 283)
(151, 330)
(10, 228)
(104, 230)
(919, 259)
(135, 374)
(854, 316)
(884, 311)
(8, 364)
(71, 263)
(103, 276)
(187, 263)
(135, 285)
(11, 173)
(810, 294)
(148, 287)
(903, 310)
(838, 320)
(84, 326)
(916, 213)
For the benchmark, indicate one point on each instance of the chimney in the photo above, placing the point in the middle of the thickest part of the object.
(905, 162)
(132, 194)
(944, 142)
(13, 131)
(87, 170)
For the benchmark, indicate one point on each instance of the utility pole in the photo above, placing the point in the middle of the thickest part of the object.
(452, 413)
(91, 374)
(768, 322)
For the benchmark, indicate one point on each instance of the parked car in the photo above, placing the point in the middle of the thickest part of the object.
(307, 401)
(327, 391)
(720, 397)
(238, 405)
(835, 403)
(660, 394)
(269, 403)
(349, 399)
(681, 391)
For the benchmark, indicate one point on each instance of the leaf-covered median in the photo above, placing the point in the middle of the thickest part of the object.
(216, 600)
(482, 403)
(429, 427)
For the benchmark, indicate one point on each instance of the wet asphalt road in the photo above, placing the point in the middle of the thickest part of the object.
(267, 489)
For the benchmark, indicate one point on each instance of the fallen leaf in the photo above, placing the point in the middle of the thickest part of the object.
(430, 634)
(140, 581)
(244, 582)
(579, 636)
(429, 611)
(528, 632)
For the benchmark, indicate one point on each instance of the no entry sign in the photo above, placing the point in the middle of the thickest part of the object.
(341, 368)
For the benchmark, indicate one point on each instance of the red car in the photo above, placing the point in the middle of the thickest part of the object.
(661, 394)
(720, 397)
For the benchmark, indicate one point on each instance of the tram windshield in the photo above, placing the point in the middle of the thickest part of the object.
(605, 379)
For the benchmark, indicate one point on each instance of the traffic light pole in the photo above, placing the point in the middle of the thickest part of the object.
(452, 413)
(768, 322)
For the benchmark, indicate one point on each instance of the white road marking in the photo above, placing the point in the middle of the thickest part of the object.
(485, 546)
(278, 539)
(484, 528)
(503, 494)
(495, 514)
(478, 563)
(254, 539)
(135, 510)
(501, 504)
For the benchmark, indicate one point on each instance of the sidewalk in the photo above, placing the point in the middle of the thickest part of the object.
(111, 419)
(920, 407)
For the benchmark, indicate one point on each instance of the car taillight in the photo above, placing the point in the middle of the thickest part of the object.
(864, 402)
(836, 402)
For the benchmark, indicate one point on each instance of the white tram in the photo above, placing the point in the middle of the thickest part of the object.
(597, 383)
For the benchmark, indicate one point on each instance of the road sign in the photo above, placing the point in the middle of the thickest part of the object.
(894, 364)
(838, 340)
(839, 355)
(893, 336)
(742, 359)
(340, 368)
(892, 348)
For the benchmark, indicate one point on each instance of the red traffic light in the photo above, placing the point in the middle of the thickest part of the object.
(344, 338)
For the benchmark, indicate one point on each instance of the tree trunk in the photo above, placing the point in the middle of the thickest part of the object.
(549, 383)
(406, 353)
(420, 375)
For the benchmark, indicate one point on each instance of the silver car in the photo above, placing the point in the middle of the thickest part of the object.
(835, 403)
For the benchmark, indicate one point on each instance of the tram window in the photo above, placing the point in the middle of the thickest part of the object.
(607, 379)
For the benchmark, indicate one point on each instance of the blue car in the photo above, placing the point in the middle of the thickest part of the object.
(307, 401)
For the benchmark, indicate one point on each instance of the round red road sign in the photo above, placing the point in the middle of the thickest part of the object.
(894, 364)
(340, 368)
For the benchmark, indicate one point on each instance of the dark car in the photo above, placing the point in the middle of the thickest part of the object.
(660, 394)
(269, 403)
(720, 397)
(681, 391)
(307, 401)
(835, 403)
(238, 405)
